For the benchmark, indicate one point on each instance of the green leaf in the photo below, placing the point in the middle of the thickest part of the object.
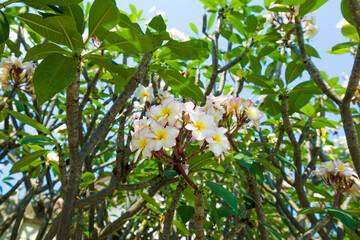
(76, 12)
(107, 63)
(157, 24)
(193, 49)
(343, 45)
(344, 217)
(257, 172)
(284, 160)
(349, 31)
(310, 6)
(357, 128)
(308, 110)
(183, 86)
(291, 2)
(39, 139)
(352, 235)
(127, 42)
(4, 28)
(223, 193)
(244, 158)
(180, 226)
(103, 16)
(170, 174)
(211, 21)
(199, 161)
(297, 100)
(265, 51)
(259, 80)
(185, 213)
(272, 107)
(310, 51)
(272, 232)
(150, 200)
(25, 119)
(251, 24)
(346, 11)
(59, 29)
(122, 79)
(87, 179)
(225, 211)
(52, 75)
(41, 51)
(293, 70)
(274, 170)
(13, 47)
(52, 2)
(25, 163)
(125, 22)
(194, 28)
(311, 210)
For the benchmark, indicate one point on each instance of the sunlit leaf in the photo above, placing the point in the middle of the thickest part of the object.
(52, 75)
(25, 163)
(223, 193)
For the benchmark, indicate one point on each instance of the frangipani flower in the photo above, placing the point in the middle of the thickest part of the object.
(145, 94)
(337, 174)
(167, 113)
(142, 142)
(218, 143)
(202, 125)
(163, 136)
(234, 105)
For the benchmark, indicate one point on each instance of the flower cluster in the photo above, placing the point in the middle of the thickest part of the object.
(279, 19)
(173, 124)
(339, 175)
(15, 74)
(309, 27)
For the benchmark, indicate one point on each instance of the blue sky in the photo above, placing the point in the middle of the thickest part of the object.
(180, 13)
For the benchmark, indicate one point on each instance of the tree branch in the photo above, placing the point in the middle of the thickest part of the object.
(299, 50)
(136, 207)
(315, 228)
(171, 211)
(101, 131)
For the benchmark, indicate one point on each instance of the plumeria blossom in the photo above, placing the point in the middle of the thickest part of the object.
(163, 136)
(171, 125)
(202, 125)
(15, 73)
(234, 105)
(309, 27)
(145, 94)
(338, 175)
(168, 112)
(176, 34)
(140, 123)
(142, 142)
(253, 113)
(218, 143)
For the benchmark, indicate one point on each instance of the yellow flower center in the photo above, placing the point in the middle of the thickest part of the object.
(165, 111)
(199, 125)
(144, 94)
(161, 135)
(216, 138)
(143, 143)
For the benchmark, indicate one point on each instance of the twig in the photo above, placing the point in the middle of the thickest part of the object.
(136, 207)
(315, 228)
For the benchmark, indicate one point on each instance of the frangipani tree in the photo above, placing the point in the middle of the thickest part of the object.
(138, 134)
